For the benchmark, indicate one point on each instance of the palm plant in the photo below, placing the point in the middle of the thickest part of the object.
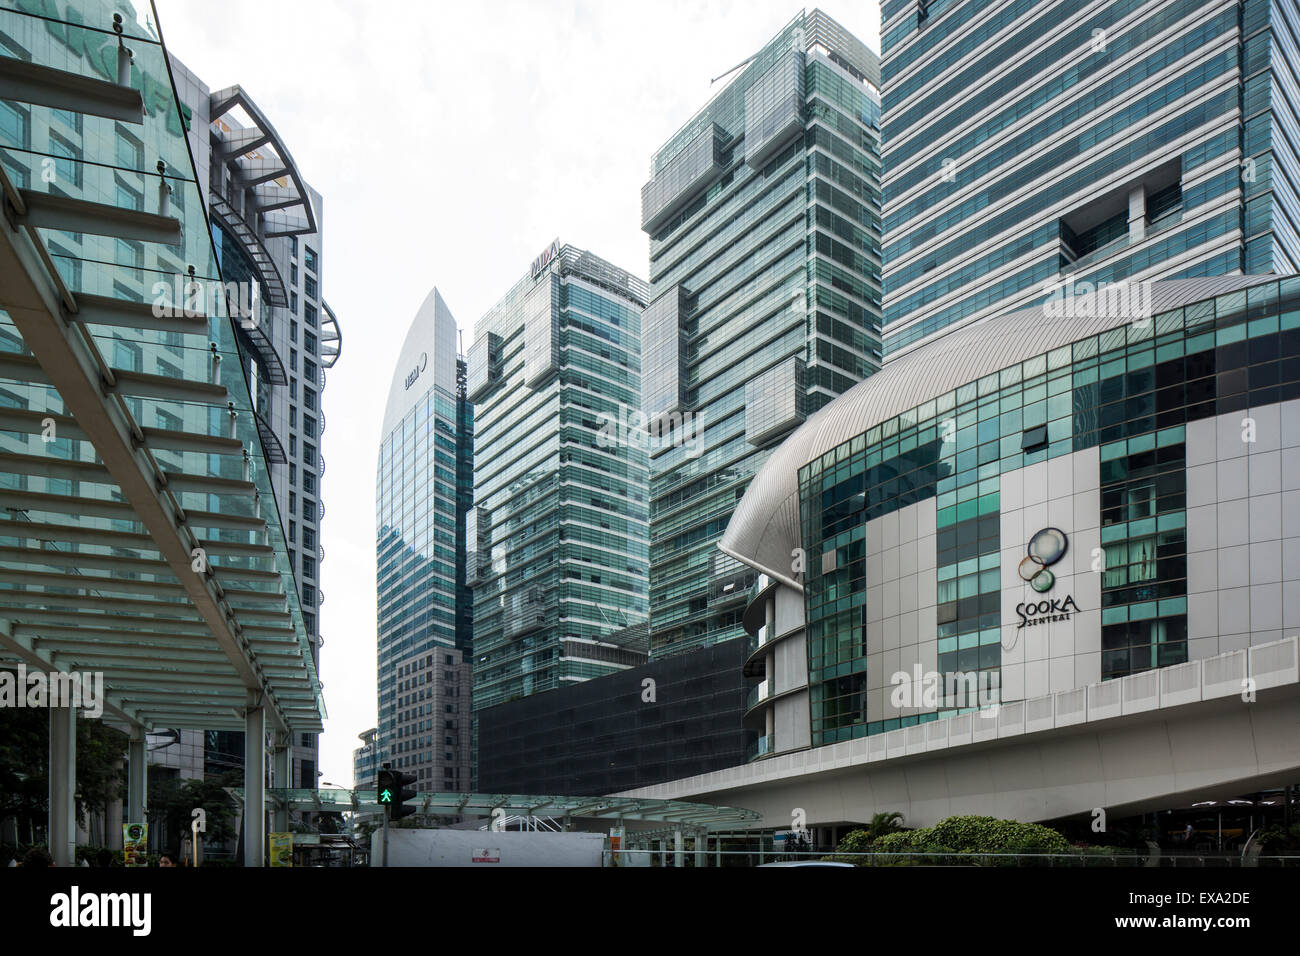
(883, 823)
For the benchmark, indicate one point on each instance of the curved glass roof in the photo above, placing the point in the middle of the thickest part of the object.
(764, 529)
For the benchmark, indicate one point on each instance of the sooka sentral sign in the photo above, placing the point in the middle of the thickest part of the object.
(1045, 549)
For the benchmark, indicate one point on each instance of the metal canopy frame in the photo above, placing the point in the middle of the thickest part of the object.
(164, 580)
(671, 814)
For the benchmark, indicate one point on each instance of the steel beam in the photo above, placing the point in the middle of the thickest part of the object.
(125, 313)
(39, 85)
(48, 211)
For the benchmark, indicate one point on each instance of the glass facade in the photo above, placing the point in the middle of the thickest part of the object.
(1131, 393)
(558, 537)
(764, 218)
(422, 496)
(365, 760)
(600, 736)
(1131, 140)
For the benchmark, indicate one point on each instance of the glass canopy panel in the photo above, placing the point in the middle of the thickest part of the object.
(164, 373)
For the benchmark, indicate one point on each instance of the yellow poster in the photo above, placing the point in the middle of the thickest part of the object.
(135, 844)
(281, 849)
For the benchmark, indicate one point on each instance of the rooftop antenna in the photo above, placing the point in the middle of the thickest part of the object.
(742, 63)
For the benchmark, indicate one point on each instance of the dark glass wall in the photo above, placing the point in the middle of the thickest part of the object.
(605, 735)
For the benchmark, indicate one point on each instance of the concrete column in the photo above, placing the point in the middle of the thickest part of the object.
(701, 849)
(254, 786)
(679, 855)
(769, 716)
(63, 786)
(137, 778)
(663, 852)
(281, 772)
(113, 816)
(718, 858)
(1137, 213)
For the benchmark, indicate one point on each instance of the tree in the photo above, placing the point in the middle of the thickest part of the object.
(172, 802)
(24, 767)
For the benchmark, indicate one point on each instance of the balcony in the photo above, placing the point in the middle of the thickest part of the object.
(272, 449)
(331, 338)
(763, 747)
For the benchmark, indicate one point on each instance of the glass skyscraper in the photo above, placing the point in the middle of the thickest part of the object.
(422, 496)
(558, 536)
(1040, 146)
(764, 221)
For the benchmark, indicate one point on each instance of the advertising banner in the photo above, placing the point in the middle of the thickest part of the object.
(135, 844)
(281, 845)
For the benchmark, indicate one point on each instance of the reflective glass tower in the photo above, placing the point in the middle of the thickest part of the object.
(1042, 147)
(421, 498)
(764, 222)
(558, 536)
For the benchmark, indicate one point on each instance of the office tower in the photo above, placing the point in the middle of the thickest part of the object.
(1037, 149)
(268, 234)
(421, 499)
(144, 535)
(763, 217)
(365, 760)
(558, 532)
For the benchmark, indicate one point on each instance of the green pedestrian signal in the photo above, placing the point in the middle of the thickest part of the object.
(387, 786)
(394, 789)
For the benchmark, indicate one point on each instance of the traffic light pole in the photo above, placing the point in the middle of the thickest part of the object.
(386, 816)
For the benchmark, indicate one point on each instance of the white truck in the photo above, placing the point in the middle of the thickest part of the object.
(487, 848)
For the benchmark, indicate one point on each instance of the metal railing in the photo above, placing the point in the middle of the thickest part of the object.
(666, 855)
(761, 748)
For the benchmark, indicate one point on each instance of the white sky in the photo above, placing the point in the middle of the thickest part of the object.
(451, 143)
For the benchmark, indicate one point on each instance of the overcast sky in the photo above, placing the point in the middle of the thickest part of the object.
(451, 143)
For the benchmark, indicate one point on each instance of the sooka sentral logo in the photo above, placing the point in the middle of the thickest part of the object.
(1045, 549)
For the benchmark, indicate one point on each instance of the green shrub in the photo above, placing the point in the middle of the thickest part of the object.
(855, 841)
(958, 837)
(991, 835)
(904, 840)
(1279, 839)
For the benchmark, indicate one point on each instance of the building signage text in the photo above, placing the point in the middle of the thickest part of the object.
(1045, 549)
(415, 372)
(544, 260)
